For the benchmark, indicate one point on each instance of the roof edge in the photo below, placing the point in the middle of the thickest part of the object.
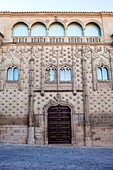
(56, 12)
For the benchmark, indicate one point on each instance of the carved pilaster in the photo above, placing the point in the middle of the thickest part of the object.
(73, 73)
(42, 73)
(94, 81)
(2, 71)
(85, 95)
(111, 67)
(21, 74)
(30, 106)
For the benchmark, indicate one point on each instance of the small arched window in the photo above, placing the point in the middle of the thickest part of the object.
(56, 29)
(65, 73)
(92, 29)
(20, 29)
(51, 74)
(102, 73)
(74, 29)
(38, 29)
(12, 73)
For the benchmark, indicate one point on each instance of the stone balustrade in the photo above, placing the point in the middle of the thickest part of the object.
(54, 39)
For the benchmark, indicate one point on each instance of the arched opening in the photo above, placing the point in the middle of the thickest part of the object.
(99, 73)
(65, 73)
(59, 125)
(102, 73)
(38, 29)
(15, 74)
(51, 74)
(74, 29)
(12, 73)
(20, 29)
(92, 29)
(9, 74)
(105, 73)
(56, 29)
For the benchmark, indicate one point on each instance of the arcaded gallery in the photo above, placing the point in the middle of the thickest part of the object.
(56, 78)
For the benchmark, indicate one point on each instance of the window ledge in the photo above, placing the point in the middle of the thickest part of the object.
(55, 82)
(65, 81)
(103, 81)
(12, 81)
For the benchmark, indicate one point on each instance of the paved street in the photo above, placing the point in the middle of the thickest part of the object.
(25, 157)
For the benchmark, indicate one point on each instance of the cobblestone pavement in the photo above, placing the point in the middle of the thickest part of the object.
(26, 157)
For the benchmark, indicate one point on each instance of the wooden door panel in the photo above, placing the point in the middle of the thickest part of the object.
(59, 125)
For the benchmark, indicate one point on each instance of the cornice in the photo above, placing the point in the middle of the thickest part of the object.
(9, 13)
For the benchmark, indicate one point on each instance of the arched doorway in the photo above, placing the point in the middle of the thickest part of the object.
(59, 125)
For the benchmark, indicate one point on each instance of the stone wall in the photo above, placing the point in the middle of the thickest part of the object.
(24, 103)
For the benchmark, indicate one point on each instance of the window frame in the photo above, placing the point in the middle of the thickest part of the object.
(65, 68)
(49, 69)
(13, 68)
(102, 68)
(17, 27)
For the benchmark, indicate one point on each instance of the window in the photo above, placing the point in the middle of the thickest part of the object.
(38, 29)
(12, 73)
(56, 29)
(92, 29)
(74, 29)
(102, 73)
(20, 29)
(65, 73)
(51, 74)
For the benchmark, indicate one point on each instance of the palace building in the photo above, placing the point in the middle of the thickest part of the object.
(56, 78)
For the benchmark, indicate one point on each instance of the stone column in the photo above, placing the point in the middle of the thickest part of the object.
(111, 67)
(94, 82)
(85, 99)
(42, 73)
(30, 106)
(2, 71)
(73, 72)
(21, 74)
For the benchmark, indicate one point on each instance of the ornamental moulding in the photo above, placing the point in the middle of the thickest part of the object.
(57, 101)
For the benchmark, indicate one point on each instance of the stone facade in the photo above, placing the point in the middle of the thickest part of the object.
(24, 103)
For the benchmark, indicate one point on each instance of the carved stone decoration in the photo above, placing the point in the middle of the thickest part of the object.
(74, 76)
(57, 100)
(86, 52)
(30, 104)
(111, 66)
(102, 62)
(56, 18)
(1, 38)
(1, 85)
(106, 52)
(94, 80)
(104, 84)
(12, 85)
(2, 70)
(42, 73)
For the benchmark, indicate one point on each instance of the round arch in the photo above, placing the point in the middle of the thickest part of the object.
(74, 21)
(74, 29)
(20, 29)
(38, 29)
(54, 21)
(19, 21)
(37, 21)
(56, 29)
(94, 26)
(93, 21)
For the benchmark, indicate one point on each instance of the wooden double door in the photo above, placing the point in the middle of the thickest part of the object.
(59, 125)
